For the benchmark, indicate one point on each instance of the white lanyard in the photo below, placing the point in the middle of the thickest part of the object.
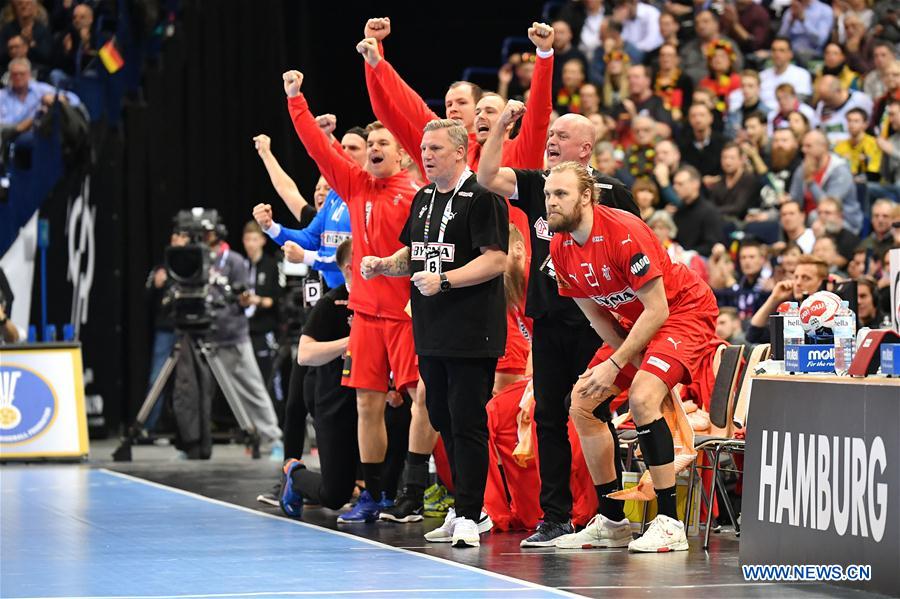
(448, 209)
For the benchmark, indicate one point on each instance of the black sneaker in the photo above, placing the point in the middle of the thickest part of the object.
(547, 534)
(407, 508)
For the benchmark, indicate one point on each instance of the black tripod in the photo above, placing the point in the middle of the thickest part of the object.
(207, 352)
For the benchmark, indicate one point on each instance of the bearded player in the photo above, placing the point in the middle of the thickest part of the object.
(656, 319)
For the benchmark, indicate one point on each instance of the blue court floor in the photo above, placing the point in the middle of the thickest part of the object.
(70, 531)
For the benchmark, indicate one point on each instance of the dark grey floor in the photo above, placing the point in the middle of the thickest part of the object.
(232, 477)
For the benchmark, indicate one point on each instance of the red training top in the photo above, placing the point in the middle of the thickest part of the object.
(378, 210)
(622, 255)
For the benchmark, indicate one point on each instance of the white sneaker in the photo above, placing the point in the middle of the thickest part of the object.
(444, 532)
(600, 532)
(465, 533)
(663, 535)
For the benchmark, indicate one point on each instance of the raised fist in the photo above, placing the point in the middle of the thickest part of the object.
(541, 35)
(370, 267)
(369, 50)
(293, 80)
(262, 213)
(378, 28)
(512, 113)
(327, 123)
(505, 74)
(262, 143)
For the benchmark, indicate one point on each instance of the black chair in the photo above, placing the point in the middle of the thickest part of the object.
(721, 411)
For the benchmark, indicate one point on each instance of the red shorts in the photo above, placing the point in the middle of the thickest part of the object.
(378, 347)
(515, 360)
(674, 354)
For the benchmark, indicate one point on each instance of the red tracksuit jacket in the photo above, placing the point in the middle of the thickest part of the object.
(378, 210)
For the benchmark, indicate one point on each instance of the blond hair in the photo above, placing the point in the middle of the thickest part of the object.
(455, 129)
(585, 179)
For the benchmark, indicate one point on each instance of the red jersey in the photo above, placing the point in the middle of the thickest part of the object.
(622, 255)
(379, 208)
(405, 114)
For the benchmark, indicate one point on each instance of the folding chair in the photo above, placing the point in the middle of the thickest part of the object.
(721, 411)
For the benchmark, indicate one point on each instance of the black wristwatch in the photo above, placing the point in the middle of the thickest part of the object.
(445, 283)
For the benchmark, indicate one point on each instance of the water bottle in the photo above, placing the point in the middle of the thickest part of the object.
(793, 328)
(844, 338)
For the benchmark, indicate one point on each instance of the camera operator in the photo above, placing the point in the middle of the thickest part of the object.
(231, 338)
(158, 287)
(260, 302)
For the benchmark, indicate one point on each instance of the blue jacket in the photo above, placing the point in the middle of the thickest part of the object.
(321, 238)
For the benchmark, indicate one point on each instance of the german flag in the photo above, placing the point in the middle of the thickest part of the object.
(110, 56)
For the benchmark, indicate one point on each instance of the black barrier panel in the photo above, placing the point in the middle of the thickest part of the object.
(822, 477)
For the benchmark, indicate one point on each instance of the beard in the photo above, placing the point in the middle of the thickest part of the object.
(567, 223)
(782, 159)
(514, 285)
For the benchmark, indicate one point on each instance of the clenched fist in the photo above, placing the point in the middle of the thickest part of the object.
(512, 113)
(262, 213)
(293, 252)
(327, 123)
(370, 267)
(293, 80)
(369, 50)
(541, 35)
(378, 28)
(263, 144)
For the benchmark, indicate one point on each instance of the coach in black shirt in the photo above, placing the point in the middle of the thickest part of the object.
(564, 342)
(455, 242)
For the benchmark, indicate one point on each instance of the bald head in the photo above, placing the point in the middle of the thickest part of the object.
(830, 90)
(571, 137)
(815, 144)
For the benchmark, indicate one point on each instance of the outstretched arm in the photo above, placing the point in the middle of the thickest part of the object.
(342, 176)
(500, 180)
(284, 186)
(394, 102)
(527, 149)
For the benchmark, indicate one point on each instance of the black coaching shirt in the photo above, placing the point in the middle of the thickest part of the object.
(543, 297)
(465, 322)
(329, 320)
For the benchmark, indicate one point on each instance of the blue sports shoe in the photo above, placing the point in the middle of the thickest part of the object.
(291, 503)
(365, 510)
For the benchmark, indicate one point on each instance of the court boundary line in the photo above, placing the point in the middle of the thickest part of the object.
(286, 594)
(489, 573)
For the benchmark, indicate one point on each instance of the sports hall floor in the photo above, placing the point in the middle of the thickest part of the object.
(160, 527)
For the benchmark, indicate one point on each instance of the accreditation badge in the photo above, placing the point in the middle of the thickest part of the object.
(433, 261)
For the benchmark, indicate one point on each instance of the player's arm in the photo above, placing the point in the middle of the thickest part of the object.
(395, 265)
(309, 238)
(399, 108)
(499, 179)
(319, 353)
(341, 175)
(603, 323)
(528, 146)
(284, 186)
(656, 311)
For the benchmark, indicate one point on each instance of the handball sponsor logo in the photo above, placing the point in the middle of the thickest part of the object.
(640, 264)
(612, 300)
(27, 405)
